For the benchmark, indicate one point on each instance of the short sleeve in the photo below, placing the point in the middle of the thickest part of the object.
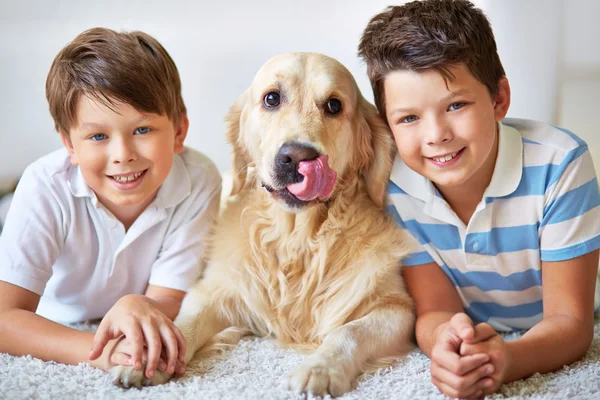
(420, 255)
(181, 258)
(570, 226)
(33, 235)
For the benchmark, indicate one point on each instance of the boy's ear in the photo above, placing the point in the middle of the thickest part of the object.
(502, 99)
(181, 132)
(66, 140)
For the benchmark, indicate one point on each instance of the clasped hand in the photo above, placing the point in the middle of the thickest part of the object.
(467, 361)
(135, 330)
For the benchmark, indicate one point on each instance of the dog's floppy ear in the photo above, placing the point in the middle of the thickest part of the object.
(240, 155)
(379, 148)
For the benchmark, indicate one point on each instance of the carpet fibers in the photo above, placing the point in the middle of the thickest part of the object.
(254, 370)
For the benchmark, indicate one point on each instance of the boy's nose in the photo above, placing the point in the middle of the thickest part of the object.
(438, 141)
(123, 151)
(438, 132)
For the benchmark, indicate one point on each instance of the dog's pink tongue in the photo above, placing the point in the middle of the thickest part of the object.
(318, 180)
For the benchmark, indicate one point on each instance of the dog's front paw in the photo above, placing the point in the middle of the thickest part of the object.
(320, 377)
(129, 377)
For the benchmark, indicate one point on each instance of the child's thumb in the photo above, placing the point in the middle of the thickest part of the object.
(463, 326)
(482, 332)
(101, 339)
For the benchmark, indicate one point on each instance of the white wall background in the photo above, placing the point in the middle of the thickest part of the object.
(549, 49)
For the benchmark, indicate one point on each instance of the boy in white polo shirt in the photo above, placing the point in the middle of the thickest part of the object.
(507, 213)
(113, 225)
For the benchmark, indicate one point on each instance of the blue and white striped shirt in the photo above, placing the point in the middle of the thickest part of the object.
(542, 204)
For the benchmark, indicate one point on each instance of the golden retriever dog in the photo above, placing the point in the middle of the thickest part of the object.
(303, 251)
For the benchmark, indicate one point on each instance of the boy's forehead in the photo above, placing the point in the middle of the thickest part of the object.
(94, 112)
(104, 99)
(453, 72)
(407, 90)
(457, 80)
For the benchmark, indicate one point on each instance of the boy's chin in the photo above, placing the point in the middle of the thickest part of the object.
(128, 201)
(446, 182)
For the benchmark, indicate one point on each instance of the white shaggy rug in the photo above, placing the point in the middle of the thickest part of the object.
(254, 370)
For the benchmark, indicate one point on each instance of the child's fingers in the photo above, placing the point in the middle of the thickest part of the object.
(445, 358)
(483, 332)
(463, 326)
(456, 364)
(133, 332)
(154, 348)
(451, 392)
(471, 362)
(468, 349)
(120, 359)
(477, 396)
(448, 340)
(179, 365)
(162, 363)
(181, 344)
(100, 340)
(169, 342)
(180, 368)
(466, 385)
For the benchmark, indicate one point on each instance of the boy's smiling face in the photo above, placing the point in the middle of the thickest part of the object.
(446, 131)
(123, 154)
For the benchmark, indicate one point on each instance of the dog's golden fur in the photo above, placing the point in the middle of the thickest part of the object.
(324, 277)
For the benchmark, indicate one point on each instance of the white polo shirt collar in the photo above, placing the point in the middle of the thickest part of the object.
(509, 163)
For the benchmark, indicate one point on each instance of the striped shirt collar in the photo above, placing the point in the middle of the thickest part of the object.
(505, 180)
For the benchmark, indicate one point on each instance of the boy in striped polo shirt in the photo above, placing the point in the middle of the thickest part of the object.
(499, 206)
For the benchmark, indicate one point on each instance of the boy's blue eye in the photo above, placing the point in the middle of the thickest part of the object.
(98, 137)
(409, 119)
(456, 106)
(142, 131)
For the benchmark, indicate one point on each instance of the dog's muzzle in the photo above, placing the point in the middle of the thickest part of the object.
(301, 175)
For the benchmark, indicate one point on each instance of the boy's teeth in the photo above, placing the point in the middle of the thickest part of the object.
(128, 178)
(446, 158)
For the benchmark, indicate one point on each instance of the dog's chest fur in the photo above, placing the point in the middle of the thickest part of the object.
(304, 276)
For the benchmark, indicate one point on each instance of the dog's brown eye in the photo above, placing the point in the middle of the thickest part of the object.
(271, 100)
(334, 106)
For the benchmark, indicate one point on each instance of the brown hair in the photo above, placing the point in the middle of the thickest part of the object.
(430, 34)
(110, 67)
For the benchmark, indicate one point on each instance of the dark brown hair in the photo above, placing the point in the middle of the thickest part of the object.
(430, 34)
(110, 67)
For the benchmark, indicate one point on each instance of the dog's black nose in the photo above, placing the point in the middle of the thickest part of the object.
(291, 153)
